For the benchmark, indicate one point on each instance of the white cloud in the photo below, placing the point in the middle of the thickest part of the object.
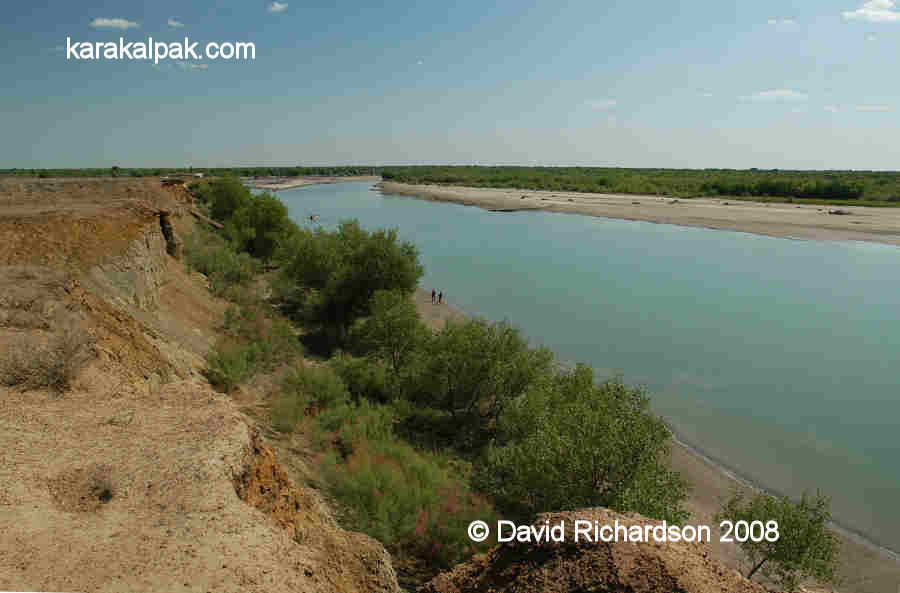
(776, 95)
(874, 108)
(783, 22)
(603, 104)
(277, 7)
(875, 11)
(101, 23)
(191, 67)
(871, 37)
(705, 95)
(832, 108)
(175, 24)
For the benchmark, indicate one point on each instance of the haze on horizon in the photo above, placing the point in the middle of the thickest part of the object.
(768, 84)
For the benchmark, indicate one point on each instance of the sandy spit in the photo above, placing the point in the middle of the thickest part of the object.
(280, 183)
(860, 223)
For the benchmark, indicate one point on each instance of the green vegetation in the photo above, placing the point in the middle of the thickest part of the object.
(804, 548)
(417, 503)
(255, 342)
(832, 187)
(329, 277)
(413, 424)
(569, 443)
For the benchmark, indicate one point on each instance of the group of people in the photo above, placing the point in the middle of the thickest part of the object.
(436, 297)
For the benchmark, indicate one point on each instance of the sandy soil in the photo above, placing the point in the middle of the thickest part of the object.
(877, 225)
(139, 477)
(865, 568)
(280, 183)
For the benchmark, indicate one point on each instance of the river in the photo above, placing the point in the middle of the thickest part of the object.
(777, 358)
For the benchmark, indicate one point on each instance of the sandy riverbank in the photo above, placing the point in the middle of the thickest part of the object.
(865, 568)
(877, 225)
(280, 183)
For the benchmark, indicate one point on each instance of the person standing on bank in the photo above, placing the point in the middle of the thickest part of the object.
(440, 297)
(433, 296)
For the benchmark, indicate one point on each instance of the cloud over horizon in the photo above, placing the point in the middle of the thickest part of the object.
(775, 95)
(276, 7)
(874, 11)
(116, 23)
(175, 24)
(602, 104)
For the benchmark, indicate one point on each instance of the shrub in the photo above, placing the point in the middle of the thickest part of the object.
(804, 546)
(306, 391)
(32, 365)
(210, 254)
(255, 343)
(394, 332)
(413, 502)
(569, 444)
(472, 371)
(365, 379)
(329, 278)
(260, 225)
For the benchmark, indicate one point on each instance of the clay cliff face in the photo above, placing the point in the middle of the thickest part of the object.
(138, 476)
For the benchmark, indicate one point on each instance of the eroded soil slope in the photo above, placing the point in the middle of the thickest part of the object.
(121, 469)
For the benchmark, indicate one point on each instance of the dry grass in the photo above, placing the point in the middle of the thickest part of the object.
(31, 363)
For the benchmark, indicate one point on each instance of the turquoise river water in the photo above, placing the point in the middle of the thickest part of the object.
(777, 358)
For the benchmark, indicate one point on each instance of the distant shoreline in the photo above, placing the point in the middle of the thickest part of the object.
(793, 221)
(282, 183)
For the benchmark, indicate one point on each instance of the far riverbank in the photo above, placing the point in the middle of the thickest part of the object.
(798, 221)
(281, 183)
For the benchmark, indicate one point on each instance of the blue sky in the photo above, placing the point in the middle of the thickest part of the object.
(769, 84)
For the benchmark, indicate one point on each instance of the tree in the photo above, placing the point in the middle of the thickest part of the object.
(472, 371)
(569, 443)
(394, 331)
(259, 225)
(804, 547)
(226, 196)
(330, 277)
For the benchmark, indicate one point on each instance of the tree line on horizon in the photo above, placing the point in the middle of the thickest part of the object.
(859, 187)
(115, 171)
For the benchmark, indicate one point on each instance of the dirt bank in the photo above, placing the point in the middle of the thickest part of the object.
(876, 225)
(122, 470)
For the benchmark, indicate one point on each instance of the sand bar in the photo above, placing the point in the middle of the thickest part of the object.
(855, 223)
(280, 183)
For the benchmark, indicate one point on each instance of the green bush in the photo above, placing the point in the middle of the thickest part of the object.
(209, 254)
(307, 390)
(255, 343)
(569, 444)
(260, 225)
(329, 278)
(365, 379)
(472, 371)
(413, 502)
(804, 546)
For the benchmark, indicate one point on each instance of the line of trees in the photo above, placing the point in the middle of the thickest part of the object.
(837, 186)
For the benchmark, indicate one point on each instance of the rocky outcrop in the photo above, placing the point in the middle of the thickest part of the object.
(570, 567)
